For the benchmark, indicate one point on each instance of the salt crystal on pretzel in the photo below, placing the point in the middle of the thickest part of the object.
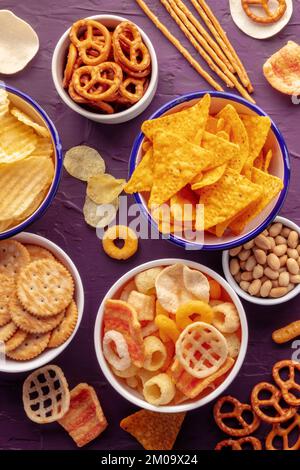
(201, 349)
(115, 341)
(120, 316)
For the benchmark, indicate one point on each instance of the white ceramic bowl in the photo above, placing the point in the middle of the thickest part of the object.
(258, 300)
(133, 396)
(58, 63)
(48, 355)
(280, 166)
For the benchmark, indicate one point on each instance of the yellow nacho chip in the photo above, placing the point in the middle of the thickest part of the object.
(177, 162)
(212, 125)
(236, 129)
(222, 150)
(223, 135)
(183, 205)
(268, 159)
(257, 128)
(186, 123)
(209, 177)
(259, 161)
(142, 177)
(270, 187)
(226, 198)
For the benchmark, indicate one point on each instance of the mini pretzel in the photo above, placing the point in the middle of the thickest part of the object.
(238, 444)
(283, 433)
(92, 84)
(71, 61)
(287, 386)
(271, 17)
(237, 414)
(272, 404)
(129, 48)
(89, 43)
(138, 87)
(100, 105)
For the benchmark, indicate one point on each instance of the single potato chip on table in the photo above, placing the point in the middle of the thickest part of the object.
(104, 188)
(82, 162)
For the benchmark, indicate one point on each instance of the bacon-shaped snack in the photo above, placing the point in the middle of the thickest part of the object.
(191, 386)
(122, 317)
(85, 419)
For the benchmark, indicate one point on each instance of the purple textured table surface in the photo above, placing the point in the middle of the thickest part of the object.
(64, 224)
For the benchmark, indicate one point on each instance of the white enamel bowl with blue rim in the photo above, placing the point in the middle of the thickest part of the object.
(10, 366)
(34, 110)
(132, 395)
(280, 167)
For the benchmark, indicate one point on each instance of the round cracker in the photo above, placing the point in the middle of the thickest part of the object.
(37, 252)
(100, 215)
(45, 287)
(29, 323)
(64, 330)
(32, 347)
(7, 331)
(13, 257)
(82, 162)
(7, 287)
(15, 341)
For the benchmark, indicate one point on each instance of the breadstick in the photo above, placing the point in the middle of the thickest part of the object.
(178, 46)
(212, 43)
(287, 333)
(171, 9)
(221, 37)
(191, 33)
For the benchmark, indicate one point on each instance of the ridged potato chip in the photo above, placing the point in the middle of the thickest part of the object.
(104, 188)
(20, 183)
(82, 162)
(25, 119)
(100, 215)
(44, 147)
(4, 103)
(17, 141)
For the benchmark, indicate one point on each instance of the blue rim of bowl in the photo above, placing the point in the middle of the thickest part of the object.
(58, 170)
(286, 179)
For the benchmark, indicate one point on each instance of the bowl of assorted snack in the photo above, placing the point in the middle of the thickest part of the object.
(41, 302)
(30, 161)
(266, 270)
(170, 335)
(105, 68)
(209, 170)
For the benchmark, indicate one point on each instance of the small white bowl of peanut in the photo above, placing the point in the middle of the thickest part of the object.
(266, 270)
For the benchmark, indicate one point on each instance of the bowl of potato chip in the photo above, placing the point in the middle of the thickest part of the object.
(209, 170)
(171, 335)
(30, 161)
(105, 68)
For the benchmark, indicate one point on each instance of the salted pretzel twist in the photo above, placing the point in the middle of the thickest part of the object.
(129, 49)
(93, 41)
(283, 434)
(277, 412)
(287, 386)
(237, 444)
(245, 428)
(137, 86)
(70, 65)
(272, 16)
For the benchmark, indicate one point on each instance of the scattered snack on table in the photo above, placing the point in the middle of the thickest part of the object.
(219, 187)
(286, 333)
(244, 443)
(46, 395)
(120, 232)
(154, 431)
(288, 385)
(269, 15)
(269, 265)
(107, 70)
(82, 162)
(285, 434)
(163, 338)
(282, 69)
(84, 420)
(266, 401)
(37, 307)
(27, 167)
(241, 427)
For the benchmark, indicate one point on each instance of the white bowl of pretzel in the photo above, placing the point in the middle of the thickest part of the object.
(171, 335)
(41, 302)
(105, 68)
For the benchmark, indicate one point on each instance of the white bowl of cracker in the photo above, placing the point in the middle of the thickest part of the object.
(146, 326)
(41, 302)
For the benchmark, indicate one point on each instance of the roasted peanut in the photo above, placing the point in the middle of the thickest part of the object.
(273, 275)
(244, 255)
(250, 263)
(275, 229)
(245, 285)
(258, 271)
(279, 240)
(254, 287)
(295, 278)
(277, 292)
(284, 279)
(237, 277)
(292, 266)
(249, 245)
(262, 242)
(234, 266)
(266, 288)
(292, 253)
(273, 261)
(260, 256)
(293, 239)
(235, 251)
(280, 250)
(283, 260)
(272, 242)
(285, 232)
(246, 276)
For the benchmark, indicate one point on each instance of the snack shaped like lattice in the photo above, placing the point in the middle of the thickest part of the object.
(201, 349)
(46, 395)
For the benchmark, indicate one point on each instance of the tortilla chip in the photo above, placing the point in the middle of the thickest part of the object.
(154, 431)
(212, 125)
(259, 161)
(186, 123)
(209, 177)
(267, 160)
(142, 177)
(226, 198)
(183, 205)
(257, 128)
(223, 135)
(238, 134)
(177, 162)
(222, 150)
(270, 186)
